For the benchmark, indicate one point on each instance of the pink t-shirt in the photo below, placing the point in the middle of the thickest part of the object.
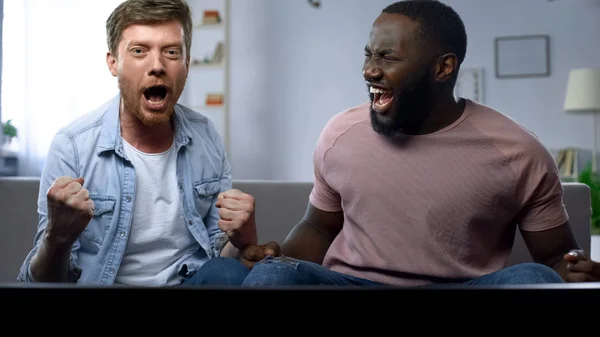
(437, 207)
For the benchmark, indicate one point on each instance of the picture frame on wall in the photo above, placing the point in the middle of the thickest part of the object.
(522, 56)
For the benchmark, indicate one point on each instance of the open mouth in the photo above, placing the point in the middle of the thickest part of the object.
(155, 97)
(381, 99)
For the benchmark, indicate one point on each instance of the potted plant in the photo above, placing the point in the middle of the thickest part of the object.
(9, 131)
(590, 178)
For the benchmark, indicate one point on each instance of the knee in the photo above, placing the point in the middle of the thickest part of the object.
(279, 271)
(532, 273)
(220, 271)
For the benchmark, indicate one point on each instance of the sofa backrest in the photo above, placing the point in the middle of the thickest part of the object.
(18, 223)
(279, 206)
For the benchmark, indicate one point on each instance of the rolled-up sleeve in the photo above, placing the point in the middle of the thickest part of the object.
(218, 238)
(61, 160)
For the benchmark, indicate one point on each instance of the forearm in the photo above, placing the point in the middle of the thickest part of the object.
(51, 262)
(306, 242)
(549, 247)
(559, 263)
(561, 268)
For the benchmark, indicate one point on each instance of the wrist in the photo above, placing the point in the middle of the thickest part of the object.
(243, 239)
(251, 237)
(56, 242)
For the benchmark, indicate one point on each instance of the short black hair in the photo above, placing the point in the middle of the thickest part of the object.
(439, 23)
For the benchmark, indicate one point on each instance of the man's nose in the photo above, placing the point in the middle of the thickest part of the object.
(157, 67)
(371, 72)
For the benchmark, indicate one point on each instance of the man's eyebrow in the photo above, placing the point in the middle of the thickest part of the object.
(380, 51)
(145, 43)
(175, 44)
(137, 43)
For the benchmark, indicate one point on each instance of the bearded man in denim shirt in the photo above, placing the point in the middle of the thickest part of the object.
(138, 192)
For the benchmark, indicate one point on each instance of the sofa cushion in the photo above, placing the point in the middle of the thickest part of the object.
(280, 205)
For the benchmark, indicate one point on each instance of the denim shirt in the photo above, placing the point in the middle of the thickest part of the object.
(91, 147)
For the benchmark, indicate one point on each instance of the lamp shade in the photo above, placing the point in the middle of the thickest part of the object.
(583, 91)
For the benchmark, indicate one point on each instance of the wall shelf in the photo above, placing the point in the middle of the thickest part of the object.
(208, 107)
(209, 26)
(209, 69)
(208, 65)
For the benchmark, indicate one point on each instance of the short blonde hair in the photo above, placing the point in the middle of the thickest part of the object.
(147, 11)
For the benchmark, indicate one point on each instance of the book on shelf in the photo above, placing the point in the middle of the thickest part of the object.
(571, 161)
(219, 53)
(217, 57)
(214, 99)
(211, 17)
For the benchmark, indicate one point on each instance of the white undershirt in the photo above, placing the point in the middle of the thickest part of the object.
(159, 238)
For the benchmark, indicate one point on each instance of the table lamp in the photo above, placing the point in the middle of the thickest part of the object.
(583, 96)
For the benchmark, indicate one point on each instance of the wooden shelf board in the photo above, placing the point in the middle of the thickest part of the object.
(209, 25)
(208, 65)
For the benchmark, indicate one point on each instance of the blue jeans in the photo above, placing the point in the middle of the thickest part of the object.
(220, 271)
(519, 274)
(284, 271)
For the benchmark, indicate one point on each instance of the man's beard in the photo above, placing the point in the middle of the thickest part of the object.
(410, 108)
(131, 98)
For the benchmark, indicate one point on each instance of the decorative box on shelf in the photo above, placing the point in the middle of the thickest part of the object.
(8, 163)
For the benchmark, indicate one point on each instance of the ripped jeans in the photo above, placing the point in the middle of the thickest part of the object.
(285, 271)
(272, 271)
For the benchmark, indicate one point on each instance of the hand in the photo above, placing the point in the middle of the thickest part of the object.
(580, 268)
(69, 210)
(237, 217)
(255, 253)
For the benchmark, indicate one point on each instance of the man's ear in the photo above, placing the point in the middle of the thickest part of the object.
(446, 66)
(111, 61)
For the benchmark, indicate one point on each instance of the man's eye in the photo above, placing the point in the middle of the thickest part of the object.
(136, 50)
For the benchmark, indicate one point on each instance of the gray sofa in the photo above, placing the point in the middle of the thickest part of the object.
(279, 206)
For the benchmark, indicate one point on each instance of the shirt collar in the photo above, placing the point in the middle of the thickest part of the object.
(110, 134)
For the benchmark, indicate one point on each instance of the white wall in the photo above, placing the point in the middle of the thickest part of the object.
(249, 131)
(294, 67)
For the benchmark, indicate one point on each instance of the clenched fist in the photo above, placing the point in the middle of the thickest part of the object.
(581, 268)
(255, 253)
(70, 209)
(236, 210)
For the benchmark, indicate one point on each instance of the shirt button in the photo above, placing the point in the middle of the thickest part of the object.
(190, 222)
(128, 198)
(111, 270)
(122, 234)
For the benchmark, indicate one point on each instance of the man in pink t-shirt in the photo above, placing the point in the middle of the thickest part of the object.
(417, 187)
